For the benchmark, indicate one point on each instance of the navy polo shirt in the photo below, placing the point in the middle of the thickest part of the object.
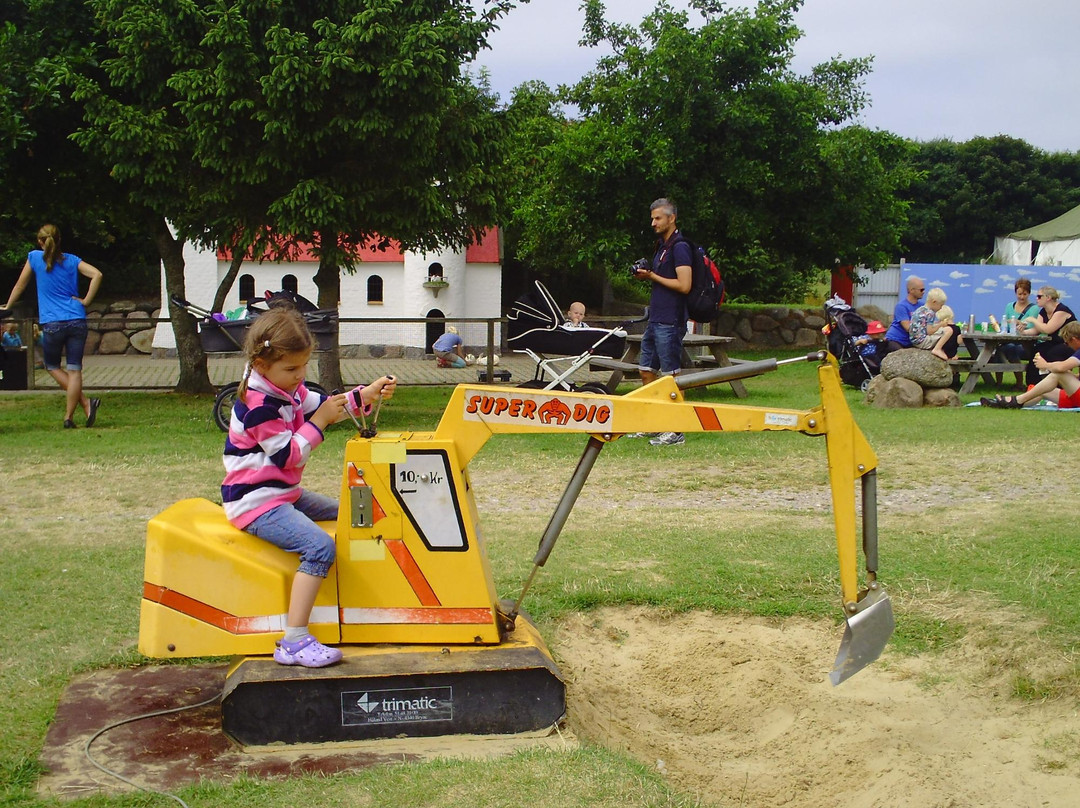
(666, 306)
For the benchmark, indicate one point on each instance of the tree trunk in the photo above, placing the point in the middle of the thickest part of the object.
(328, 280)
(227, 281)
(194, 376)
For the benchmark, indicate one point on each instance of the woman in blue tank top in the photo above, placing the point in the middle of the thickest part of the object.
(62, 314)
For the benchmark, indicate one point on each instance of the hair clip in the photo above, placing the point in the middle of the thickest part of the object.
(266, 343)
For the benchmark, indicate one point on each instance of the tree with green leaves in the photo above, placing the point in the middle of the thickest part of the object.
(714, 118)
(45, 176)
(266, 126)
(968, 193)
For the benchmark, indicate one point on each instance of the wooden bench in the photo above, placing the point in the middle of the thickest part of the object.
(618, 370)
(992, 370)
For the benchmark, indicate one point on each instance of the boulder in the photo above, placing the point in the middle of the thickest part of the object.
(871, 312)
(941, 397)
(920, 366)
(895, 393)
(143, 341)
(113, 342)
(113, 321)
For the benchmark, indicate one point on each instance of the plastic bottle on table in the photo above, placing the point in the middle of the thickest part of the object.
(994, 324)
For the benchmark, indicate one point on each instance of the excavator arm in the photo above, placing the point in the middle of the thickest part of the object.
(476, 413)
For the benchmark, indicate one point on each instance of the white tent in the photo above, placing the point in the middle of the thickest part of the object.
(1059, 243)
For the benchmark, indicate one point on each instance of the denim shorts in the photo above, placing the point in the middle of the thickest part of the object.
(292, 527)
(63, 336)
(661, 348)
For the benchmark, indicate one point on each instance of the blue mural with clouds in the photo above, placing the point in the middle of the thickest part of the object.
(985, 289)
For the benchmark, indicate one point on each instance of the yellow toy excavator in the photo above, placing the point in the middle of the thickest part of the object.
(430, 649)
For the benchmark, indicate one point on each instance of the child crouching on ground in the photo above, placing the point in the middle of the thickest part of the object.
(276, 422)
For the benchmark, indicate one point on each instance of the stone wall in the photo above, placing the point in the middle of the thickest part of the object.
(772, 327)
(123, 327)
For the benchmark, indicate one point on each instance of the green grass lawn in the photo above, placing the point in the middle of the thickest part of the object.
(973, 521)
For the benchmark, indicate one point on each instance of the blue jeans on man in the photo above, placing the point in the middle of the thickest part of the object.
(661, 348)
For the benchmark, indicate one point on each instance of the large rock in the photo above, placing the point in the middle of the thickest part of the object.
(113, 342)
(920, 366)
(895, 393)
(143, 341)
(941, 397)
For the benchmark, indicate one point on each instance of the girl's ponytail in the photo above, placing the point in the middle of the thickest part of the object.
(49, 239)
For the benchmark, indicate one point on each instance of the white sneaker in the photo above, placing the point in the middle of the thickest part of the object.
(668, 439)
(643, 434)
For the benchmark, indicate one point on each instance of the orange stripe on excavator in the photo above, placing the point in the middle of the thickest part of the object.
(411, 570)
(204, 612)
(708, 419)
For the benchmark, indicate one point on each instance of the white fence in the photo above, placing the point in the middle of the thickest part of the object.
(881, 288)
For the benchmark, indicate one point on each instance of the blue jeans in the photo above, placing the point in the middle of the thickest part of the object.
(292, 527)
(67, 336)
(661, 348)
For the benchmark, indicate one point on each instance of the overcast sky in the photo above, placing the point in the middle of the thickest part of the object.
(942, 68)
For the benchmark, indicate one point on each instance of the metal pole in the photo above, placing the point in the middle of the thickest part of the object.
(562, 511)
(869, 520)
(743, 370)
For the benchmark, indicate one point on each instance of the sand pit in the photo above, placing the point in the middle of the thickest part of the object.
(734, 711)
(739, 711)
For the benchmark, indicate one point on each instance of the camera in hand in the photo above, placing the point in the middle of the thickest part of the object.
(640, 265)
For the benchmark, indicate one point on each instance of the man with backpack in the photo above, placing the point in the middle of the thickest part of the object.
(670, 273)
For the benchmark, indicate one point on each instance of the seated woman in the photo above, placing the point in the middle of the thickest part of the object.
(1017, 312)
(1053, 316)
(1059, 384)
(931, 333)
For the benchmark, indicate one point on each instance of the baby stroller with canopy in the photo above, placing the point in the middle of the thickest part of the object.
(535, 326)
(218, 334)
(844, 327)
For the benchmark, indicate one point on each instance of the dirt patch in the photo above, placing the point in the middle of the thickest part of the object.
(164, 752)
(735, 711)
(739, 711)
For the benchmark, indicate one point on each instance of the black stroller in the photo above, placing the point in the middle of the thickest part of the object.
(220, 335)
(844, 327)
(535, 326)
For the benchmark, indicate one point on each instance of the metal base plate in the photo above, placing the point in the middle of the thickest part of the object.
(397, 691)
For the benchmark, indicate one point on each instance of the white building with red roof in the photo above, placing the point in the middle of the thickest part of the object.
(392, 283)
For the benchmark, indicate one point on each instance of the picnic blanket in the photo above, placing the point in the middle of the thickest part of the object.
(1042, 406)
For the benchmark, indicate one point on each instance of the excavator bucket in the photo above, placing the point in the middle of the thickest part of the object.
(865, 636)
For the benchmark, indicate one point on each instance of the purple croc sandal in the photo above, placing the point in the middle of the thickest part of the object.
(306, 651)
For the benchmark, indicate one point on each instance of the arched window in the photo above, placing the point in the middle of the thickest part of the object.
(435, 270)
(247, 288)
(375, 289)
(288, 283)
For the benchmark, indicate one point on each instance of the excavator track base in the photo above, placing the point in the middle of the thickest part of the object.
(393, 691)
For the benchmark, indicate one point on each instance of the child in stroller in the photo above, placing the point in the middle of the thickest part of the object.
(857, 346)
(536, 326)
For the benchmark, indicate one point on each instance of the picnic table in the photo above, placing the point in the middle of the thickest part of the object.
(698, 351)
(984, 348)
